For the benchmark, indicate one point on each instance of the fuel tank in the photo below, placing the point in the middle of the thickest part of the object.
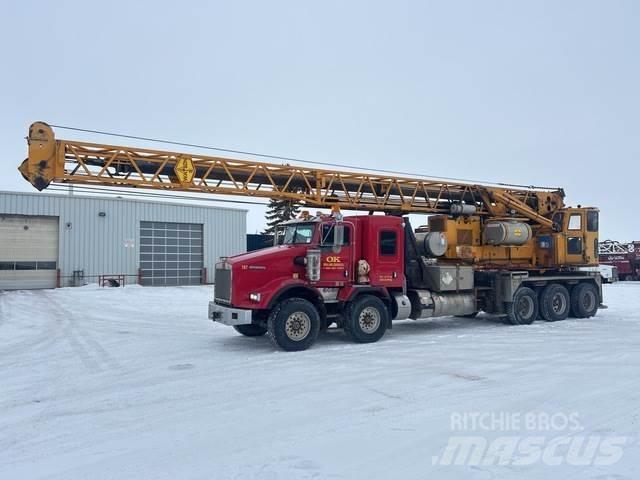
(460, 209)
(506, 233)
(431, 244)
(427, 304)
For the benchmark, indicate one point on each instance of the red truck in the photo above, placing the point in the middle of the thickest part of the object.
(362, 272)
(624, 256)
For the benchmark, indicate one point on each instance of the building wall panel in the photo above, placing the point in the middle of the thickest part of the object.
(109, 243)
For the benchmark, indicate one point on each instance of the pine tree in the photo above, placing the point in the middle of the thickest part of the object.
(279, 211)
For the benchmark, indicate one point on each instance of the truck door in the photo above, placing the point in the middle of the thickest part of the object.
(574, 238)
(336, 266)
(581, 237)
(591, 237)
(388, 269)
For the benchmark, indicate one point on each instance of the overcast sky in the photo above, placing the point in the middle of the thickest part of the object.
(543, 92)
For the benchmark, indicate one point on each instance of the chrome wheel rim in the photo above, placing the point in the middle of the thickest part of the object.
(297, 326)
(369, 319)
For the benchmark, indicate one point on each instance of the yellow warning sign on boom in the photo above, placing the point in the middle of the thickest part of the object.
(184, 170)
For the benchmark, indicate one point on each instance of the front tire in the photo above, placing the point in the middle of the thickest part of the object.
(555, 302)
(293, 325)
(250, 330)
(366, 319)
(584, 300)
(524, 308)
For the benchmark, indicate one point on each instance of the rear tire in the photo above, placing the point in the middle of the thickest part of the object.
(584, 300)
(555, 302)
(366, 319)
(524, 308)
(250, 330)
(293, 324)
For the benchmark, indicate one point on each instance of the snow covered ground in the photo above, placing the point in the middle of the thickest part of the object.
(137, 383)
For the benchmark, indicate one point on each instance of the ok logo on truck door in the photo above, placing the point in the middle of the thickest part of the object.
(333, 262)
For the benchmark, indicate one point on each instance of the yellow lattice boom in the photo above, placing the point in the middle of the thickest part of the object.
(76, 162)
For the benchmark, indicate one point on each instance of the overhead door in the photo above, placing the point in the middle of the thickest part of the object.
(28, 252)
(170, 253)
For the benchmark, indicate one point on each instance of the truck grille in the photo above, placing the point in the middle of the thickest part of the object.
(222, 289)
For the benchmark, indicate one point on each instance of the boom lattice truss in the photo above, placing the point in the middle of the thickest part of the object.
(611, 247)
(75, 162)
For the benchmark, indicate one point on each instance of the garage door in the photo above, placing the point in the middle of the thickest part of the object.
(170, 253)
(28, 252)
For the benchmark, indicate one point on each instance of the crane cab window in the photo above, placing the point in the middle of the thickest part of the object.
(558, 221)
(574, 245)
(592, 221)
(388, 243)
(575, 222)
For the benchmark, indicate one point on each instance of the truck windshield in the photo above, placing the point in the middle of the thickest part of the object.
(298, 233)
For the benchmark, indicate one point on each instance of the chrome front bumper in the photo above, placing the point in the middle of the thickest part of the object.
(229, 316)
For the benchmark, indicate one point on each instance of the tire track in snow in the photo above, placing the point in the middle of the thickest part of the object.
(63, 326)
(47, 337)
(90, 352)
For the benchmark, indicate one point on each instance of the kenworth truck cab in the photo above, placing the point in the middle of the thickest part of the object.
(362, 272)
(319, 265)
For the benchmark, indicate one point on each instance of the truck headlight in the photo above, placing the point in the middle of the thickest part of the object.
(255, 297)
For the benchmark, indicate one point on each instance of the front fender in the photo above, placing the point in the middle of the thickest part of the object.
(291, 285)
(272, 290)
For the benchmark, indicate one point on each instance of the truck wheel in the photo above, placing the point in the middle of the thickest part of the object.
(524, 308)
(366, 319)
(294, 324)
(555, 302)
(584, 300)
(250, 330)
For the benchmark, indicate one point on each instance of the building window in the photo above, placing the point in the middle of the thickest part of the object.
(26, 265)
(46, 265)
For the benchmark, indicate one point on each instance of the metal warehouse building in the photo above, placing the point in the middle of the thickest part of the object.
(49, 240)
